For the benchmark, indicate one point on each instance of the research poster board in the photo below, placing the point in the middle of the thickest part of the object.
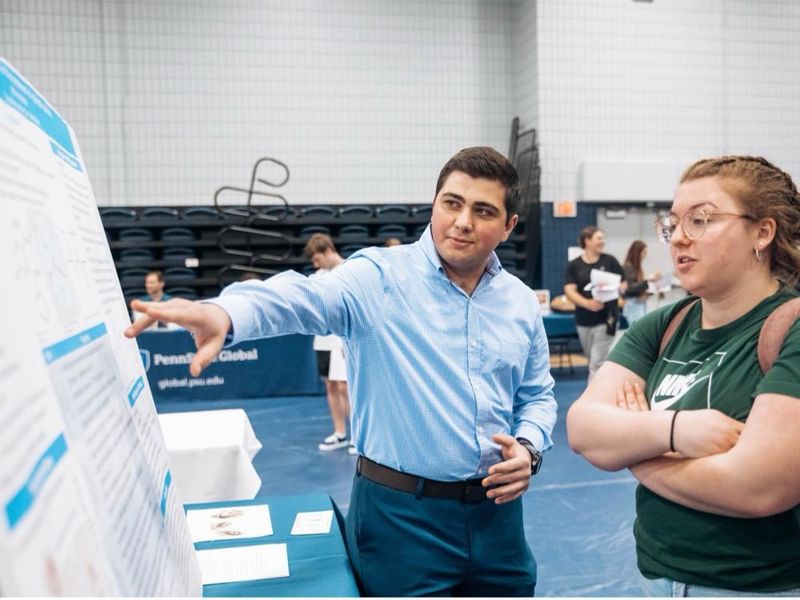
(85, 488)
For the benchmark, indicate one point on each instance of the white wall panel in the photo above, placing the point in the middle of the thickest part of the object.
(363, 99)
(665, 81)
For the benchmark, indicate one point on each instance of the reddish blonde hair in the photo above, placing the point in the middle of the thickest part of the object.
(763, 191)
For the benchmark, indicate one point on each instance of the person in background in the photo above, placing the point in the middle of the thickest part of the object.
(713, 441)
(154, 286)
(636, 293)
(322, 253)
(392, 241)
(450, 377)
(596, 321)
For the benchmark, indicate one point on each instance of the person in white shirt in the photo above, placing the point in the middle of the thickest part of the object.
(330, 352)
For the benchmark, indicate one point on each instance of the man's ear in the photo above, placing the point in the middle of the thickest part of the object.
(510, 224)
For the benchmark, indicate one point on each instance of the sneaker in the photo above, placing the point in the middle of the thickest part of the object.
(351, 449)
(333, 442)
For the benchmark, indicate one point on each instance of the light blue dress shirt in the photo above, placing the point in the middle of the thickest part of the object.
(433, 373)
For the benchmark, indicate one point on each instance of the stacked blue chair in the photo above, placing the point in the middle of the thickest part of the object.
(354, 232)
(172, 274)
(394, 230)
(178, 255)
(132, 277)
(135, 234)
(390, 212)
(176, 234)
(424, 210)
(158, 212)
(118, 212)
(182, 292)
(200, 212)
(276, 213)
(318, 210)
(356, 210)
(136, 255)
(310, 230)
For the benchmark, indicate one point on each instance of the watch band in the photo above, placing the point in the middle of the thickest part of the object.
(536, 456)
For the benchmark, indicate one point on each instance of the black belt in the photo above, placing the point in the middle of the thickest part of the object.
(470, 491)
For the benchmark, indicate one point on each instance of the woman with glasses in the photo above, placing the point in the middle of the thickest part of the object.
(595, 321)
(713, 442)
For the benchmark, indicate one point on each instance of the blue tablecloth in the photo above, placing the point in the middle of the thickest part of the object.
(560, 325)
(281, 366)
(318, 564)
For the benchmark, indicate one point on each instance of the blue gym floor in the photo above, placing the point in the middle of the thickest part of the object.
(578, 520)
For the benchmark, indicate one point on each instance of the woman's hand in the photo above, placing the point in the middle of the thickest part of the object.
(703, 432)
(695, 433)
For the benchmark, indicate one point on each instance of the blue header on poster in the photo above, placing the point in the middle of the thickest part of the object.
(72, 343)
(22, 501)
(20, 95)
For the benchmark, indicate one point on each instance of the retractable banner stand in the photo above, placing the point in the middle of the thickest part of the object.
(86, 501)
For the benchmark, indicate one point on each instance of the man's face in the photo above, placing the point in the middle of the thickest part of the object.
(324, 260)
(469, 220)
(152, 285)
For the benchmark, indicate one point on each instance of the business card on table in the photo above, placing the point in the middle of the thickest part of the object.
(307, 523)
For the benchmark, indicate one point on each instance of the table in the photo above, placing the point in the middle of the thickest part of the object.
(560, 325)
(211, 454)
(280, 366)
(318, 564)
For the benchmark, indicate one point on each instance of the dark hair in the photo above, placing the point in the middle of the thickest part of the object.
(633, 258)
(486, 163)
(319, 243)
(159, 275)
(586, 234)
(763, 191)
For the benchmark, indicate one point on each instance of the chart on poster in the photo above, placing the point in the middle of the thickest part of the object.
(85, 489)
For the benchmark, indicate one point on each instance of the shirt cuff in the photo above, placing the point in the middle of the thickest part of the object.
(241, 314)
(534, 435)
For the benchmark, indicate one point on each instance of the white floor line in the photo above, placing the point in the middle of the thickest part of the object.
(582, 484)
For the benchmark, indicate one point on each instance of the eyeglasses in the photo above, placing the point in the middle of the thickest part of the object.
(694, 224)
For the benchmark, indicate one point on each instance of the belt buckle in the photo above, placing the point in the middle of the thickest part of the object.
(474, 494)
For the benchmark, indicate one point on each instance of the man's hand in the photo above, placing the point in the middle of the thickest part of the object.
(512, 476)
(208, 324)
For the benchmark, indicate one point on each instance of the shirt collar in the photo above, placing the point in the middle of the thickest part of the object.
(493, 266)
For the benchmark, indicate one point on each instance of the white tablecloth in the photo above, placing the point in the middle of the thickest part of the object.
(211, 453)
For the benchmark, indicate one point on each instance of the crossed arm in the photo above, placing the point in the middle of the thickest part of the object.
(720, 465)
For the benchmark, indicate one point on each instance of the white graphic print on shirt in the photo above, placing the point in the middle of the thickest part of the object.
(676, 383)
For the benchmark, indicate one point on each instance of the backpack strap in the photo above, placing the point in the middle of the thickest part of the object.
(773, 332)
(673, 324)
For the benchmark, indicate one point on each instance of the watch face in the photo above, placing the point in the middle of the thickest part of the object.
(536, 462)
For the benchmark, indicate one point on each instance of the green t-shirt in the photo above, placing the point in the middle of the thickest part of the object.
(713, 368)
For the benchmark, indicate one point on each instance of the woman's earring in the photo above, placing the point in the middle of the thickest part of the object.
(758, 254)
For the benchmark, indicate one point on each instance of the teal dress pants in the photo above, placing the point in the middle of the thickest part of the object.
(404, 545)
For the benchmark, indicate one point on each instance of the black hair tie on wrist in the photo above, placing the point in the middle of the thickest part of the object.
(672, 431)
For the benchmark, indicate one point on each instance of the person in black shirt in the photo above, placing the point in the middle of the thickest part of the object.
(596, 322)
